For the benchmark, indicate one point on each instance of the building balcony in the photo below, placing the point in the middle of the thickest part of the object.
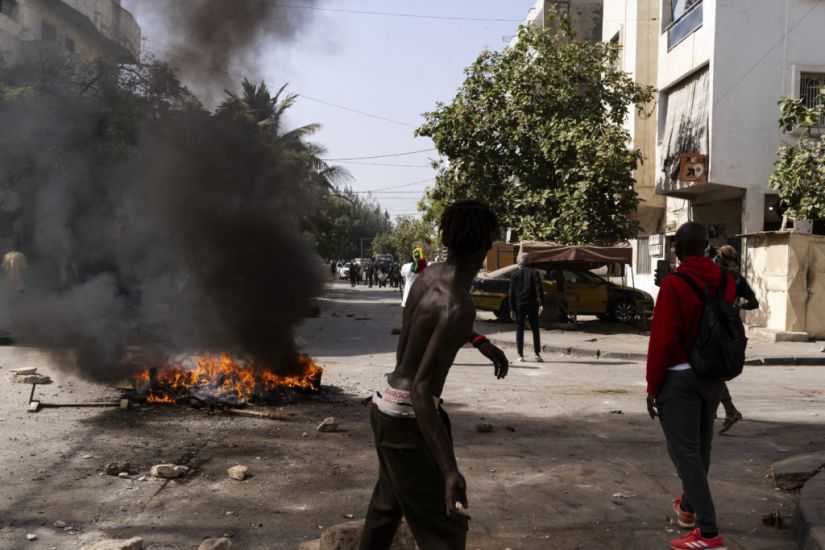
(109, 19)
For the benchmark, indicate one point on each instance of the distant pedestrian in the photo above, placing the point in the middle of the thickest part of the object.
(526, 301)
(353, 274)
(333, 268)
(685, 403)
(726, 259)
(411, 271)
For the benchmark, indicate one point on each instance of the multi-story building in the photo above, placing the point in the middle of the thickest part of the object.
(90, 29)
(721, 68)
(585, 16)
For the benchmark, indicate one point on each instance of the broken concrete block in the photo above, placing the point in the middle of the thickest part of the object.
(168, 471)
(328, 425)
(24, 370)
(347, 536)
(30, 379)
(117, 467)
(216, 544)
(238, 472)
(135, 543)
(792, 473)
(31, 537)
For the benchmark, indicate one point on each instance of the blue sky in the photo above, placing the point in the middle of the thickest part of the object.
(394, 67)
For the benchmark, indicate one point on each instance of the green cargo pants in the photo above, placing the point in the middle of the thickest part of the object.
(411, 485)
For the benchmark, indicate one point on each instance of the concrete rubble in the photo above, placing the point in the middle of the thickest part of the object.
(792, 473)
(168, 471)
(117, 467)
(216, 544)
(238, 472)
(135, 543)
(328, 425)
(347, 536)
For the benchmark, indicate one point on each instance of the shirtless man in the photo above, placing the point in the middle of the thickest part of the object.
(418, 476)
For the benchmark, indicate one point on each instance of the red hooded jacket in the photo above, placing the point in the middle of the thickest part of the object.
(677, 315)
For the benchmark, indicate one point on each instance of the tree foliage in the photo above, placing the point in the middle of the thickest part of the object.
(800, 168)
(344, 222)
(537, 132)
(407, 234)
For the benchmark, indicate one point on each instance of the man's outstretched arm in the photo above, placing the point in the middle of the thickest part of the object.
(492, 352)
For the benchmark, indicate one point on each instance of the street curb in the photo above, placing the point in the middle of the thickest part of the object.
(785, 360)
(809, 518)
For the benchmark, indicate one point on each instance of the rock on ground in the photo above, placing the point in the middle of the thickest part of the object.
(347, 536)
(792, 473)
(216, 544)
(30, 379)
(113, 544)
(238, 472)
(168, 471)
(328, 425)
(117, 467)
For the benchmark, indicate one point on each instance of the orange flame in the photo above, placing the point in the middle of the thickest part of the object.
(226, 376)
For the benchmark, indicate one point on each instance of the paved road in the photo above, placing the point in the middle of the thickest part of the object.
(563, 469)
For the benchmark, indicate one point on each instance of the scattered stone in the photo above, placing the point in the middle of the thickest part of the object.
(350, 315)
(304, 434)
(86, 457)
(511, 429)
(216, 544)
(792, 473)
(117, 467)
(31, 537)
(395, 331)
(774, 519)
(617, 411)
(238, 472)
(60, 524)
(39, 379)
(115, 544)
(123, 474)
(346, 536)
(328, 425)
(142, 478)
(168, 471)
(484, 428)
(349, 516)
(622, 495)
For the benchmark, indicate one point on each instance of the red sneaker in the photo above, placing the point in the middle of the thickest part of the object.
(694, 541)
(685, 520)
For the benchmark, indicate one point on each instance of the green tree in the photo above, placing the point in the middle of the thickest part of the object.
(346, 222)
(537, 132)
(800, 168)
(407, 234)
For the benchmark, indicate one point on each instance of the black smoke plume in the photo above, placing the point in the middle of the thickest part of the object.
(150, 226)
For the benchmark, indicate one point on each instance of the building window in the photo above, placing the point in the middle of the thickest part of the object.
(69, 45)
(681, 18)
(643, 256)
(616, 40)
(810, 90)
(9, 8)
(48, 33)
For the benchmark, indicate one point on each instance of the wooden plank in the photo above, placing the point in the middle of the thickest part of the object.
(258, 414)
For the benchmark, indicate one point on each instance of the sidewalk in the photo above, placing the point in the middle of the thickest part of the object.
(615, 341)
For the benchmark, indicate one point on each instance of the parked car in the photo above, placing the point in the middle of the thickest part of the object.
(594, 295)
(343, 270)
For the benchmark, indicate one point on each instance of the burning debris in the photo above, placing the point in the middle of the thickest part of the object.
(223, 380)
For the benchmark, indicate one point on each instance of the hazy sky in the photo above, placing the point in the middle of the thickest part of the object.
(393, 67)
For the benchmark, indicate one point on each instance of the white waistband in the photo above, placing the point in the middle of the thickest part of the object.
(394, 402)
(680, 366)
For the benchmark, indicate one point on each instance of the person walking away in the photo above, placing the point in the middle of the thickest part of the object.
(333, 269)
(411, 271)
(418, 475)
(685, 403)
(526, 299)
(353, 274)
(726, 259)
(370, 273)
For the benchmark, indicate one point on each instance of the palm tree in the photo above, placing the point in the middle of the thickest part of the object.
(258, 105)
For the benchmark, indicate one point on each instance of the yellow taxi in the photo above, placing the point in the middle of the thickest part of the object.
(591, 294)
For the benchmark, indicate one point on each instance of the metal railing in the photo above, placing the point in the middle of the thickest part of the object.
(810, 91)
(683, 27)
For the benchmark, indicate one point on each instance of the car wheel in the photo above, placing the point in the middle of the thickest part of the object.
(624, 311)
(503, 313)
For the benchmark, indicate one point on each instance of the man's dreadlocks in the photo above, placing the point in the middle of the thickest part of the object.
(467, 226)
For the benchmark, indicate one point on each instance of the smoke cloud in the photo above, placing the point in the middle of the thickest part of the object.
(186, 241)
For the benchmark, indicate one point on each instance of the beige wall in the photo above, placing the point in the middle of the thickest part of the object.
(787, 273)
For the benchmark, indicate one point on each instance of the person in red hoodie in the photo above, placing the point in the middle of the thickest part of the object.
(685, 404)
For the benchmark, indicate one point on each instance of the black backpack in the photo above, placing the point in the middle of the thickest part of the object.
(719, 352)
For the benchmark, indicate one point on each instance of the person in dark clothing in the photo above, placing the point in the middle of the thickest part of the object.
(686, 404)
(418, 474)
(726, 259)
(354, 274)
(526, 301)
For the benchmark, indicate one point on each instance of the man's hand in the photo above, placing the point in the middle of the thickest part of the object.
(541, 310)
(513, 315)
(455, 495)
(494, 354)
(652, 407)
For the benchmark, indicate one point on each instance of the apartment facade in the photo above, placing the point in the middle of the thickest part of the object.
(90, 29)
(585, 16)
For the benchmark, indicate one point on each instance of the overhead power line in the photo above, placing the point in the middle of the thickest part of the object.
(382, 156)
(391, 14)
(429, 180)
(386, 164)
